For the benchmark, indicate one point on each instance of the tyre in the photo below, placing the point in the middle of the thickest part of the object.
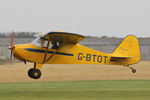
(133, 71)
(30, 72)
(36, 74)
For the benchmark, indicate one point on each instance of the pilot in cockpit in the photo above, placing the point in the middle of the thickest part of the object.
(55, 44)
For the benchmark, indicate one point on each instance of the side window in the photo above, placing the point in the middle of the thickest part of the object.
(52, 44)
(55, 44)
(45, 43)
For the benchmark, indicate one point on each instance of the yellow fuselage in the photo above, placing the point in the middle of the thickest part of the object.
(68, 54)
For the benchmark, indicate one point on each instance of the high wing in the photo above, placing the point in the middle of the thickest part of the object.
(63, 37)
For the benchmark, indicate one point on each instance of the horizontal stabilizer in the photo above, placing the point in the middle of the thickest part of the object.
(118, 59)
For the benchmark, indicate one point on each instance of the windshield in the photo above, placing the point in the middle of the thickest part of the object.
(37, 42)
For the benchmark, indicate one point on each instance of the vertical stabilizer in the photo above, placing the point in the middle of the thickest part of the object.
(129, 48)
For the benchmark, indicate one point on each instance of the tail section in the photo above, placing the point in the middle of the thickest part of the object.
(128, 51)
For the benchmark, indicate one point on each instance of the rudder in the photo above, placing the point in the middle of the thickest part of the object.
(130, 48)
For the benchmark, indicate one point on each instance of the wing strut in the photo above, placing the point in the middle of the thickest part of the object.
(54, 52)
(46, 50)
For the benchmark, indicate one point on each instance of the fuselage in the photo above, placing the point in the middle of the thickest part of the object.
(43, 52)
(68, 54)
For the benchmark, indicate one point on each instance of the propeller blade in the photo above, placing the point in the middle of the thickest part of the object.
(11, 47)
(12, 40)
(11, 56)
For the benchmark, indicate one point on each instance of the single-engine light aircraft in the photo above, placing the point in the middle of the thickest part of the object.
(63, 48)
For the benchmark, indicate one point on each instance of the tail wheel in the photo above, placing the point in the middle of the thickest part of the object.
(133, 71)
(34, 73)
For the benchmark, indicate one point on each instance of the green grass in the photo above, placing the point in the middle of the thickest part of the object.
(77, 90)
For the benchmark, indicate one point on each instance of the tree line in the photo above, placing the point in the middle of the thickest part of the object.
(18, 35)
(31, 35)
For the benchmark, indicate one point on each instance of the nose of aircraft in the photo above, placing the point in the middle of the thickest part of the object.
(18, 52)
(9, 47)
(15, 52)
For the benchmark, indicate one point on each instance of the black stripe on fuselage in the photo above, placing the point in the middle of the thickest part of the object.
(50, 52)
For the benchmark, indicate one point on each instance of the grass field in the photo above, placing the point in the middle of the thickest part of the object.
(75, 82)
(77, 90)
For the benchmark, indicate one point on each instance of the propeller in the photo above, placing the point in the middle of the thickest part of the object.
(11, 47)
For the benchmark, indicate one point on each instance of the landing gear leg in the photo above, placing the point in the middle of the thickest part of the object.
(34, 72)
(133, 70)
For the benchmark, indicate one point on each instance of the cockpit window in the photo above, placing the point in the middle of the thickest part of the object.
(37, 42)
(43, 43)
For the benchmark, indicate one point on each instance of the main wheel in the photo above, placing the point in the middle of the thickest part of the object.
(133, 71)
(30, 72)
(34, 73)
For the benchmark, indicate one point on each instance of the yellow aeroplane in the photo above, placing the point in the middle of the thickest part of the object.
(63, 48)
